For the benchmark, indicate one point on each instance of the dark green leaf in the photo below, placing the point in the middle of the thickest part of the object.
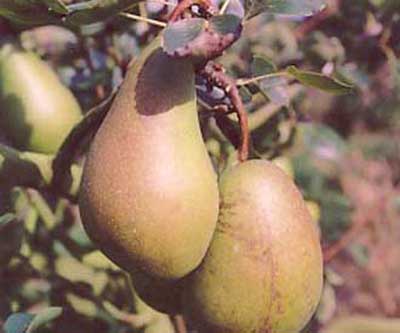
(285, 7)
(262, 65)
(181, 33)
(18, 323)
(29, 12)
(199, 39)
(320, 81)
(225, 24)
(92, 11)
(56, 5)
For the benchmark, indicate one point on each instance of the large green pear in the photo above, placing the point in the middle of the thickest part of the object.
(263, 270)
(149, 196)
(37, 111)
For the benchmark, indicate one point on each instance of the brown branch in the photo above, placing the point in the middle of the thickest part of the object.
(215, 75)
(184, 5)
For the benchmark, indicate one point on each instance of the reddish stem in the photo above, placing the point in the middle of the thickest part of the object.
(215, 75)
(185, 4)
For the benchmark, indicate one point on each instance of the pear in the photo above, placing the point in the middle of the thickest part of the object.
(37, 111)
(149, 195)
(263, 270)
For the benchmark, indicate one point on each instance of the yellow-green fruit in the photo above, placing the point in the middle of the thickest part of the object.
(263, 270)
(36, 110)
(149, 196)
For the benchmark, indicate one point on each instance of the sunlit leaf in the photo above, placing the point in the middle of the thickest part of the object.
(43, 318)
(98, 260)
(82, 305)
(73, 270)
(285, 7)
(320, 81)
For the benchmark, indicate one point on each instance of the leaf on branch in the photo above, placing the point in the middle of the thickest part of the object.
(30, 13)
(29, 323)
(57, 5)
(200, 39)
(284, 7)
(274, 88)
(179, 34)
(262, 65)
(320, 81)
(92, 11)
(44, 317)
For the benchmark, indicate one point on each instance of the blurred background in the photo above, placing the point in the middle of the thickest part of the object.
(342, 150)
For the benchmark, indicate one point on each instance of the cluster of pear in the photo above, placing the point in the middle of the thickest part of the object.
(238, 255)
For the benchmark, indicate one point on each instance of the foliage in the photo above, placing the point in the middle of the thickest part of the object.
(343, 147)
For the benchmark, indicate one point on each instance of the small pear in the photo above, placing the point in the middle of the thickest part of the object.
(37, 111)
(263, 270)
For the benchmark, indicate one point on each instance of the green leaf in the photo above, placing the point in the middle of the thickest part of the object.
(6, 219)
(285, 7)
(320, 81)
(82, 305)
(18, 323)
(199, 39)
(262, 65)
(43, 318)
(181, 33)
(225, 24)
(57, 5)
(91, 11)
(29, 12)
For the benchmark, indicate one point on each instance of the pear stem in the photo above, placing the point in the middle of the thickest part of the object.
(215, 75)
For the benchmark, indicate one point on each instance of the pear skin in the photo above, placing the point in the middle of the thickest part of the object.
(263, 270)
(37, 111)
(149, 195)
